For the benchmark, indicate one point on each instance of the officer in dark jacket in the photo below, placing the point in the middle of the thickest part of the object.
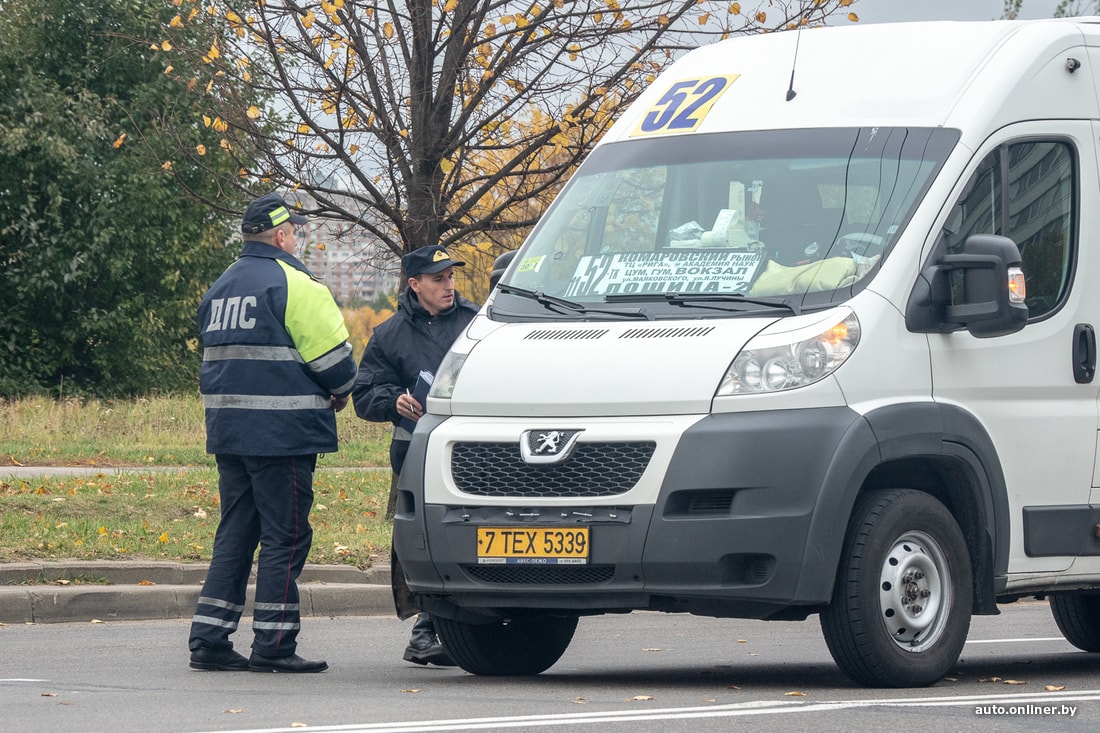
(276, 368)
(430, 316)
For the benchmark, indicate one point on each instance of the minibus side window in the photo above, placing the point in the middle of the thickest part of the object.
(1023, 191)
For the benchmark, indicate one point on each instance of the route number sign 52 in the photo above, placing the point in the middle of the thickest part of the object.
(684, 106)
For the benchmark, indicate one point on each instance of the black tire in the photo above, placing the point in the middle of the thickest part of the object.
(519, 646)
(1078, 618)
(903, 597)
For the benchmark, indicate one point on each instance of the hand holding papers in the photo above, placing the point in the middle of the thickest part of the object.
(420, 394)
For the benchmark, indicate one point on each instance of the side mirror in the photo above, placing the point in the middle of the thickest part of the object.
(500, 264)
(980, 289)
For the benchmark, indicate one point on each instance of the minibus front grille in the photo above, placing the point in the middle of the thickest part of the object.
(541, 574)
(592, 469)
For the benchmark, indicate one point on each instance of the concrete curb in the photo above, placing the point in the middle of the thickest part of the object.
(37, 592)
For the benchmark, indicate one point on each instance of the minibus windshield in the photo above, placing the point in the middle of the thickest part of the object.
(802, 217)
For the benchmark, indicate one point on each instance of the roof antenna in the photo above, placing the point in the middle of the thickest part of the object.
(791, 93)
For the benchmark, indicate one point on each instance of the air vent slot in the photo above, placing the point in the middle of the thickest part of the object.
(566, 335)
(667, 333)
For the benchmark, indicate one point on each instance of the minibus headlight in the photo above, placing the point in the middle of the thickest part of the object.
(776, 362)
(443, 386)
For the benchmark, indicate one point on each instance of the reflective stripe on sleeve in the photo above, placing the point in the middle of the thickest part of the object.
(331, 359)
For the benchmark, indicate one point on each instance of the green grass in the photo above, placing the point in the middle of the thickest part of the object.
(165, 514)
(172, 515)
(159, 431)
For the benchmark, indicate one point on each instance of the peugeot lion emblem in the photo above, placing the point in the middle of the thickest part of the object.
(547, 446)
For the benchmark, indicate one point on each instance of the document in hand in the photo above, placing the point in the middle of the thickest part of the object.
(420, 394)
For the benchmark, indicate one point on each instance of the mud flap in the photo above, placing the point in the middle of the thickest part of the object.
(405, 601)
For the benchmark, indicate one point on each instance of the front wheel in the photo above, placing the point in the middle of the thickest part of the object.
(518, 646)
(901, 605)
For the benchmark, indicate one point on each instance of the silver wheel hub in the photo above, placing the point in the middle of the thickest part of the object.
(915, 591)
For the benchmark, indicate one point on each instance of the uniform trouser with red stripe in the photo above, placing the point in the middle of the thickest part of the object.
(265, 501)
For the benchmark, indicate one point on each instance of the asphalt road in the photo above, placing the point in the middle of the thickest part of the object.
(640, 672)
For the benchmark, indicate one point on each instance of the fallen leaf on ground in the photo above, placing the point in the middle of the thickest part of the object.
(989, 679)
(581, 700)
(795, 694)
(412, 689)
(299, 725)
(235, 710)
(1054, 688)
(146, 582)
(1016, 682)
(641, 697)
(742, 641)
(49, 694)
(97, 621)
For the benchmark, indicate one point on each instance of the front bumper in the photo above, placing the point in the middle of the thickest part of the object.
(747, 520)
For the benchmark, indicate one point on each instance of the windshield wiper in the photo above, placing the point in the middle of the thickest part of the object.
(568, 307)
(697, 300)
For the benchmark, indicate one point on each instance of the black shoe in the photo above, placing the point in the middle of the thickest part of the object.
(432, 653)
(221, 660)
(293, 663)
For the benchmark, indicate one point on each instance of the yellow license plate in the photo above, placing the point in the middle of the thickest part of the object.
(532, 545)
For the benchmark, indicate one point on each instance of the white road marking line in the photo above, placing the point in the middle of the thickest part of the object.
(1014, 641)
(756, 707)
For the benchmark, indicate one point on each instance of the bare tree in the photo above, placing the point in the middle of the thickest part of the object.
(438, 122)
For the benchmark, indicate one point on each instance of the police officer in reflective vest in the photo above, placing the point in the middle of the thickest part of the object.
(276, 368)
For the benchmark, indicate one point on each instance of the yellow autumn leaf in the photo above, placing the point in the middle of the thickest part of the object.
(206, 121)
(214, 52)
(853, 17)
(704, 18)
(165, 46)
(253, 112)
(177, 22)
(163, 539)
(735, 9)
(450, 6)
(761, 17)
(200, 149)
(220, 125)
(308, 19)
(224, 144)
(387, 29)
(303, 128)
(102, 530)
(118, 143)
(446, 166)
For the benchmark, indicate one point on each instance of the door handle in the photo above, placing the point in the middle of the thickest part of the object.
(1084, 353)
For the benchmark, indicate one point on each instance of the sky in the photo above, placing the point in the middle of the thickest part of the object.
(889, 11)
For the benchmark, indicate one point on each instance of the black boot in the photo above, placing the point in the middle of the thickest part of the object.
(424, 646)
